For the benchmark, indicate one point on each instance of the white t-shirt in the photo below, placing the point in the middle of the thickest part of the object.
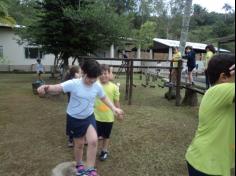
(39, 67)
(82, 97)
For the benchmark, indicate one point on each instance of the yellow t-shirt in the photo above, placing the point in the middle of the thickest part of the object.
(208, 57)
(212, 150)
(176, 57)
(102, 112)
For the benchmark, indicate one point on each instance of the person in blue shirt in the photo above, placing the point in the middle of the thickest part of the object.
(191, 62)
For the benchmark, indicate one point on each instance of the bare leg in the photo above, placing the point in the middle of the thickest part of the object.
(78, 149)
(92, 140)
(105, 144)
(190, 77)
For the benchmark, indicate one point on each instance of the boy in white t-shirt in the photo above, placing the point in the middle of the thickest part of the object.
(39, 69)
(80, 113)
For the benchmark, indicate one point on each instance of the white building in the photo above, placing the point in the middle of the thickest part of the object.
(16, 56)
(23, 57)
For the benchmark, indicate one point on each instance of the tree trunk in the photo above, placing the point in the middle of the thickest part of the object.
(54, 66)
(185, 25)
(190, 98)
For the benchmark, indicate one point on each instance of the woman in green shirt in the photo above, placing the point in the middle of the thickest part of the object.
(212, 151)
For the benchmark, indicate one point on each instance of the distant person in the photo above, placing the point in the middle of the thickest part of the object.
(73, 73)
(125, 56)
(176, 57)
(191, 62)
(104, 116)
(212, 151)
(210, 52)
(80, 113)
(39, 69)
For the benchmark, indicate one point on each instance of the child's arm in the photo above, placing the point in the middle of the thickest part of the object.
(107, 102)
(42, 90)
(117, 104)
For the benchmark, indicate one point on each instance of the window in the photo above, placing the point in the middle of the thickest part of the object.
(33, 53)
(1, 51)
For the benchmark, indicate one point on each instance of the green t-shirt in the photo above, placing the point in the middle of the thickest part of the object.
(208, 57)
(176, 57)
(213, 147)
(102, 112)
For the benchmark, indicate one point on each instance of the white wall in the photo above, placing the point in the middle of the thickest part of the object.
(14, 53)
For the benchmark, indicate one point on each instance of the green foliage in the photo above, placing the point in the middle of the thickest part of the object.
(121, 6)
(4, 15)
(71, 29)
(77, 27)
(146, 34)
(23, 11)
(200, 34)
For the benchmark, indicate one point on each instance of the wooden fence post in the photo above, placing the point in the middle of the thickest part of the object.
(130, 82)
(178, 83)
(127, 79)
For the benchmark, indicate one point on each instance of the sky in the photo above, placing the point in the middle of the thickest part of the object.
(215, 5)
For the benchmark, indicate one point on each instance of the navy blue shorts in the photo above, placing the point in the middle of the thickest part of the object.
(193, 172)
(104, 129)
(190, 68)
(77, 128)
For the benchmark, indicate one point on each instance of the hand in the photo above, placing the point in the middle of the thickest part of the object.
(120, 117)
(118, 111)
(42, 90)
(232, 69)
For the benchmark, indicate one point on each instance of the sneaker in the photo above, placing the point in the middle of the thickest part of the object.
(80, 170)
(103, 156)
(91, 172)
(70, 143)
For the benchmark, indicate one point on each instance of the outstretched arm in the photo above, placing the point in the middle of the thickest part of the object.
(42, 90)
(119, 117)
(116, 110)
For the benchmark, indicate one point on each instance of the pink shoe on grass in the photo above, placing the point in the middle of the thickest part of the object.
(80, 170)
(91, 172)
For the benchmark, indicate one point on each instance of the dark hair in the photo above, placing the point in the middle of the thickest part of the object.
(188, 47)
(92, 68)
(105, 67)
(211, 48)
(71, 74)
(38, 60)
(219, 64)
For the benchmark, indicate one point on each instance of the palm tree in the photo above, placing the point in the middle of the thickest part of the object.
(227, 8)
(4, 17)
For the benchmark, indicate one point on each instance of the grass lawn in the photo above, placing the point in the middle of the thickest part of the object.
(151, 141)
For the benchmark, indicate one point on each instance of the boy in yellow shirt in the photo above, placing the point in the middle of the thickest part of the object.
(212, 151)
(104, 116)
(175, 59)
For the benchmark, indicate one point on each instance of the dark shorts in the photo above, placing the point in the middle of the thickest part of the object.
(190, 68)
(193, 172)
(104, 129)
(40, 72)
(77, 128)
